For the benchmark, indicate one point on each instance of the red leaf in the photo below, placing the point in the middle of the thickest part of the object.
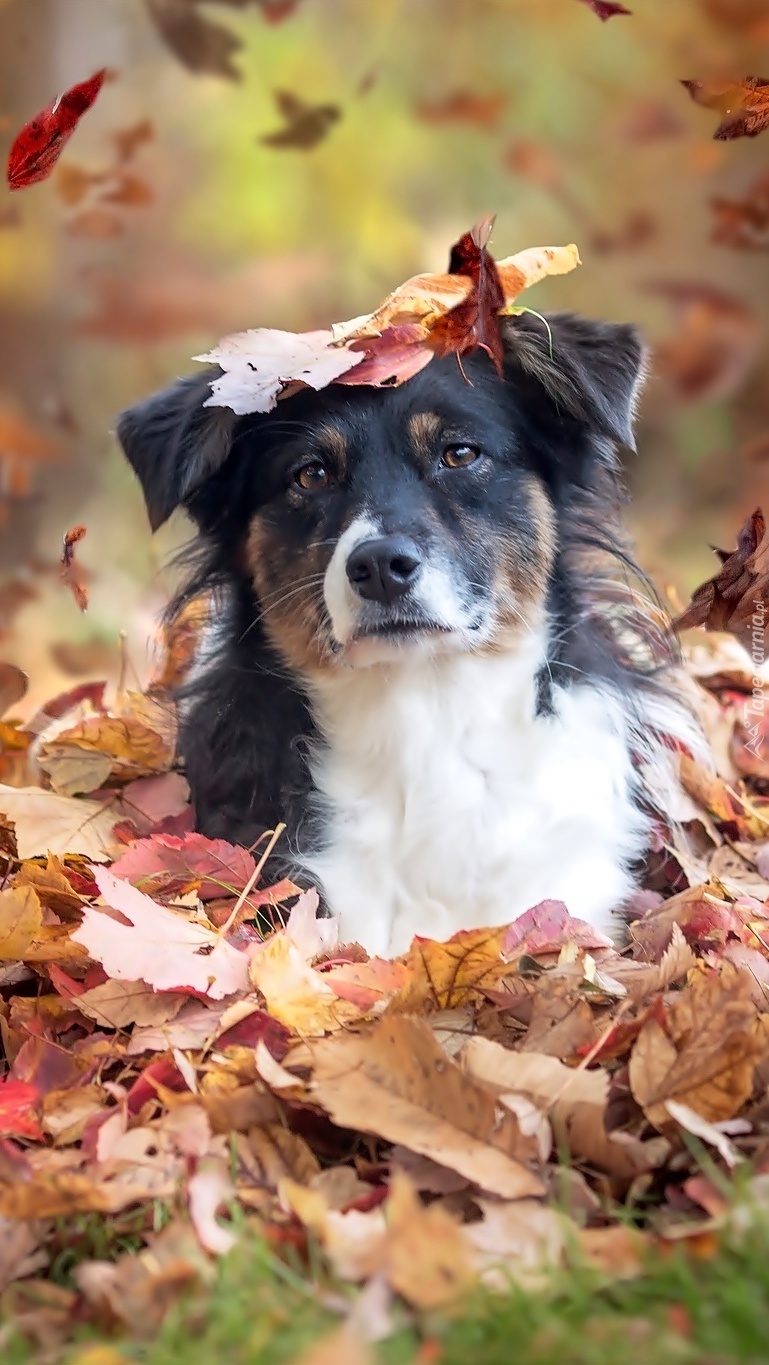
(546, 928)
(222, 867)
(473, 323)
(165, 1072)
(605, 9)
(70, 569)
(18, 1101)
(41, 141)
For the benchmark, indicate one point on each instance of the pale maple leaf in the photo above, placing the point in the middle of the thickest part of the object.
(161, 947)
(47, 823)
(259, 364)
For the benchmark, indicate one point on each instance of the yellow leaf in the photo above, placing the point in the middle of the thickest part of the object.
(453, 973)
(295, 993)
(21, 919)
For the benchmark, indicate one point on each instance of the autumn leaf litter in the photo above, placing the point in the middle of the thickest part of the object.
(176, 1031)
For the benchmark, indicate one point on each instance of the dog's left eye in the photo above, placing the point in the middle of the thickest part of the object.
(457, 457)
(313, 476)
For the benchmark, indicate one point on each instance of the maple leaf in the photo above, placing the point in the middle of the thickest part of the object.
(605, 9)
(158, 946)
(218, 866)
(200, 45)
(463, 106)
(259, 364)
(396, 1081)
(296, 994)
(305, 124)
(474, 323)
(744, 105)
(452, 973)
(71, 573)
(41, 141)
(738, 594)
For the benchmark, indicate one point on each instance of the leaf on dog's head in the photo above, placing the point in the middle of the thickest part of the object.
(743, 105)
(260, 364)
(427, 315)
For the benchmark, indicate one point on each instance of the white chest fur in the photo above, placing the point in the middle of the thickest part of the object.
(450, 804)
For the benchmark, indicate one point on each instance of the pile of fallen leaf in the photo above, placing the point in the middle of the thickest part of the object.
(180, 1040)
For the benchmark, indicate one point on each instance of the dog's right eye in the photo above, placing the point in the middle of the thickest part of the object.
(312, 477)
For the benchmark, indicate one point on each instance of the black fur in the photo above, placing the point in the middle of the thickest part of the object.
(564, 407)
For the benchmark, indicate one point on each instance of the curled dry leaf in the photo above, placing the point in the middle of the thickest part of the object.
(744, 105)
(71, 573)
(41, 142)
(13, 686)
(737, 597)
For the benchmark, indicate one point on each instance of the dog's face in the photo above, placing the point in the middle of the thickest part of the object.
(380, 524)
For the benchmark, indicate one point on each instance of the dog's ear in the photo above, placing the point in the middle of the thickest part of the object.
(591, 371)
(174, 443)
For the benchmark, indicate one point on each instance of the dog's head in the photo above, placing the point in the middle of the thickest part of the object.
(381, 523)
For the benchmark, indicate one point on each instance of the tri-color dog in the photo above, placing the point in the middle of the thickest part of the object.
(428, 654)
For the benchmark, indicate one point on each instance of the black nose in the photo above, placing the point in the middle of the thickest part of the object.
(384, 569)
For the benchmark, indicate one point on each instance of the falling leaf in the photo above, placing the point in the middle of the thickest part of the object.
(41, 142)
(605, 9)
(743, 104)
(94, 656)
(715, 343)
(743, 222)
(95, 224)
(200, 45)
(463, 106)
(534, 161)
(305, 124)
(735, 597)
(158, 946)
(128, 140)
(395, 1080)
(70, 570)
(47, 823)
(638, 229)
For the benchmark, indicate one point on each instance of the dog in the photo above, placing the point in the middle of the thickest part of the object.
(428, 653)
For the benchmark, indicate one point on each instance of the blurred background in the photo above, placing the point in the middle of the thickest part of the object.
(191, 202)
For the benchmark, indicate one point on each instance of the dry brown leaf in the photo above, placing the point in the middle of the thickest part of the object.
(116, 1004)
(708, 1057)
(47, 823)
(52, 886)
(562, 1022)
(129, 748)
(395, 1081)
(575, 1101)
(427, 1258)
